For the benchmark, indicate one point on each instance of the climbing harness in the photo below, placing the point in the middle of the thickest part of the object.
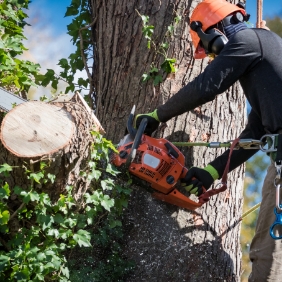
(269, 143)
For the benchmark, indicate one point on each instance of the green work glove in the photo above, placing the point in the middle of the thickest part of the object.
(196, 178)
(153, 121)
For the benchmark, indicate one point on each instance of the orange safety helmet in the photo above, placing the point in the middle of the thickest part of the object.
(210, 12)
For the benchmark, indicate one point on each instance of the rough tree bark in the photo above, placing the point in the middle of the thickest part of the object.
(166, 242)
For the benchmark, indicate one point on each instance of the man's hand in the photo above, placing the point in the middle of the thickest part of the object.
(263, 25)
(198, 178)
(153, 121)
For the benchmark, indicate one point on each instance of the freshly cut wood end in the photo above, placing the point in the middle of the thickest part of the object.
(34, 129)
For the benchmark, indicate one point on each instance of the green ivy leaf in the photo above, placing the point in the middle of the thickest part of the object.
(5, 169)
(65, 272)
(36, 176)
(82, 82)
(4, 262)
(17, 190)
(168, 65)
(154, 70)
(94, 174)
(51, 177)
(82, 237)
(112, 169)
(53, 233)
(157, 80)
(145, 19)
(145, 77)
(4, 217)
(177, 19)
(114, 223)
(148, 31)
(107, 202)
(107, 184)
(5, 191)
(41, 256)
(165, 45)
(71, 11)
(34, 196)
(59, 218)
(63, 63)
(170, 28)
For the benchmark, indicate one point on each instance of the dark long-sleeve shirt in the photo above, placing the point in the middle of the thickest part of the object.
(254, 57)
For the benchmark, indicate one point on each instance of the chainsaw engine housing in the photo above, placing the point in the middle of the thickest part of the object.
(156, 161)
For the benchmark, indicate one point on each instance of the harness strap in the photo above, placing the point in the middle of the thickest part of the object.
(205, 197)
(278, 158)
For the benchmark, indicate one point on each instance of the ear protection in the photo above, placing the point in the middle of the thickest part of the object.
(213, 40)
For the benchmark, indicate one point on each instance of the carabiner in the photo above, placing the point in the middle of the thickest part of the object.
(249, 144)
(278, 215)
(278, 205)
(278, 221)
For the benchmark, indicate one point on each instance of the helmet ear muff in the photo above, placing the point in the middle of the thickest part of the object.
(219, 41)
(212, 40)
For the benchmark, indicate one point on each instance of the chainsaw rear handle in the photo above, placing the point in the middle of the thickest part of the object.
(137, 141)
(183, 174)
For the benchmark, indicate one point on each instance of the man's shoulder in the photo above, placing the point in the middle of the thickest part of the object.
(245, 34)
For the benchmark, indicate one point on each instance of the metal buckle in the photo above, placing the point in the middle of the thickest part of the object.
(265, 140)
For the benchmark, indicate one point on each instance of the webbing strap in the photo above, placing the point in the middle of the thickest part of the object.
(278, 158)
(205, 197)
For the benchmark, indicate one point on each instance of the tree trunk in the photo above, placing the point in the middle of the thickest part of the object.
(166, 242)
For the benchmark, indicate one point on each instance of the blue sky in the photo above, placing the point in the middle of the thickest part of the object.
(53, 11)
(270, 8)
(48, 32)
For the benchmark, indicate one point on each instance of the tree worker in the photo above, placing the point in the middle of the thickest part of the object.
(252, 56)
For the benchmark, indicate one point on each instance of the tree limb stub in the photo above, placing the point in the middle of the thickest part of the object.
(34, 129)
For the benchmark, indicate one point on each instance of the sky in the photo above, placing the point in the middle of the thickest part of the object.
(48, 41)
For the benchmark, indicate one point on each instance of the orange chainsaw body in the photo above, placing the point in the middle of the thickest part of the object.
(160, 163)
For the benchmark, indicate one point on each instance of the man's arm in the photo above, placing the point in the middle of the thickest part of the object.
(238, 56)
(253, 130)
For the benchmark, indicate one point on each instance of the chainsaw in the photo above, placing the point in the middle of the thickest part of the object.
(161, 164)
(156, 161)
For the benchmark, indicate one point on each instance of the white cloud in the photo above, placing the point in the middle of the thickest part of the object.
(46, 47)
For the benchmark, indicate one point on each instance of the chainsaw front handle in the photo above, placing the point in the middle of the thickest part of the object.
(137, 141)
(130, 128)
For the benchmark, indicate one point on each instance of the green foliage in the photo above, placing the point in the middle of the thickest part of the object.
(15, 74)
(80, 31)
(275, 25)
(19, 75)
(49, 230)
(167, 64)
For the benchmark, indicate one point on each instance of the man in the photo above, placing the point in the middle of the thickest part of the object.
(252, 56)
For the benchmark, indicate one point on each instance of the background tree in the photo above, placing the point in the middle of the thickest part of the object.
(255, 172)
(167, 243)
(275, 24)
